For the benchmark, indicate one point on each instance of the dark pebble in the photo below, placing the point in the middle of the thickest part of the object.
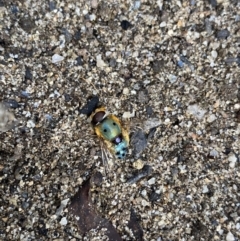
(77, 35)
(79, 61)
(125, 25)
(149, 111)
(14, 9)
(213, 3)
(27, 24)
(67, 34)
(147, 170)
(227, 151)
(112, 63)
(67, 97)
(95, 33)
(52, 5)
(157, 66)
(24, 94)
(151, 133)
(11, 103)
(180, 64)
(153, 196)
(92, 63)
(28, 73)
(42, 231)
(185, 60)
(222, 34)
(180, 158)
(138, 142)
(238, 94)
(238, 60)
(97, 179)
(25, 205)
(90, 106)
(230, 60)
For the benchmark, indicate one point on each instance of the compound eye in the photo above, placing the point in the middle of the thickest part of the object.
(98, 117)
(117, 140)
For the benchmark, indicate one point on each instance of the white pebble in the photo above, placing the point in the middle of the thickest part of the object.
(238, 226)
(127, 115)
(232, 161)
(172, 78)
(211, 118)
(137, 5)
(196, 111)
(230, 237)
(213, 153)
(125, 91)
(151, 123)
(152, 181)
(205, 189)
(100, 62)
(214, 54)
(57, 58)
(144, 193)
(163, 24)
(145, 203)
(85, 11)
(94, 3)
(92, 17)
(30, 124)
(64, 221)
(237, 106)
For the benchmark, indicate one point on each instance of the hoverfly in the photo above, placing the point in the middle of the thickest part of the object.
(113, 136)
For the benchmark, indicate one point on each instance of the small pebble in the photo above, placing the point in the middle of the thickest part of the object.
(196, 111)
(213, 153)
(230, 237)
(214, 54)
(205, 189)
(211, 118)
(222, 34)
(125, 25)
(30, 124)
(64, 221)
(56, 58)
(172, 78)
(152, 181)
(125, 91)
(11, 103)
(127, 115)
(100, 62)
(138, 164)
(137, 5)
(232, 161)
(94, 3)
(237, 106)
(28, 73)
(163, 24)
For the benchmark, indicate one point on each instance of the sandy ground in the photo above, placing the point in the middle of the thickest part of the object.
(169, 69)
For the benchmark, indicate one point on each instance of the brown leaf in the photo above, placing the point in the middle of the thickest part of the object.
(87, 217)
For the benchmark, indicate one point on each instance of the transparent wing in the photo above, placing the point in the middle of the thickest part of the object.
(107, 157)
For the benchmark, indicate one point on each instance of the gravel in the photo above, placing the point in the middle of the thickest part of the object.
(171, 67)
